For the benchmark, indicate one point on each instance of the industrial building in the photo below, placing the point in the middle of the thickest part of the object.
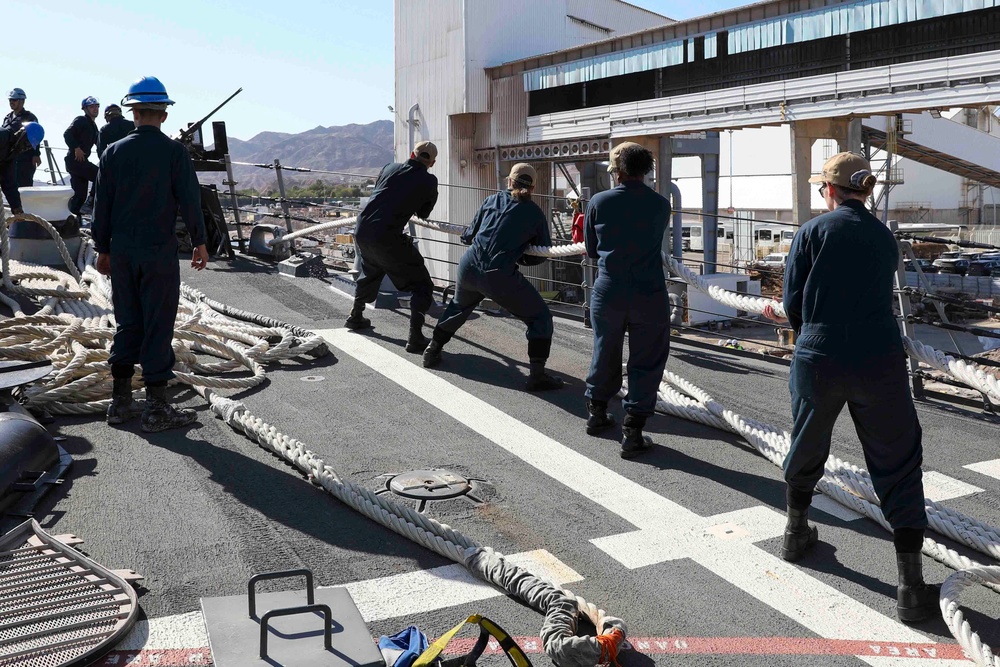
(740, 106)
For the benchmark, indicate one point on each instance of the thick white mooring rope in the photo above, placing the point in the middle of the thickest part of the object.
(851, 485)
(74, 329)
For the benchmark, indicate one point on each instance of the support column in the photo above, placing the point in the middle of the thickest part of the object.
(664, 170)
(710, 203)
(854, 136)
(801, 171)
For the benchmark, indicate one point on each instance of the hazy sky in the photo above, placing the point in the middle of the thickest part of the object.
(301, 63)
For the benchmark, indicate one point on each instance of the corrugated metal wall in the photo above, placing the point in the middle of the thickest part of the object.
(843, 19)
(510, 112)
(832, 21)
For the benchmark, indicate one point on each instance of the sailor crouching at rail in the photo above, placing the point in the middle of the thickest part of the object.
(144, 181)
(623, 230)
(13, 144)
(401, 191)
(506, 224)
(849, 350)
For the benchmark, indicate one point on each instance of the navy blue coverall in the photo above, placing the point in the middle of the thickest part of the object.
(499, 234)
(22, 170)
(401, 191)
(623, 230)
(144, 182)
(115, 129)
(838, 298)
(82, 133)
(10, 149)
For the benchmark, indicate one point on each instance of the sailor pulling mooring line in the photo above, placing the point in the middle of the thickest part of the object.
(144, 182)
(402, 191)
(506, 224)
(849, 351)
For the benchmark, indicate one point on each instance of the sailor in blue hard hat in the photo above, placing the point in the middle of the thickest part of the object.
(23, 167)
(145, 181)
(81, 136)
(14, 143)
(115, 127)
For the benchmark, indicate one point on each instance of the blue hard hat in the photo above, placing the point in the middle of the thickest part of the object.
(16, 94)
(147, 90)
(88, 101)
(34, 132)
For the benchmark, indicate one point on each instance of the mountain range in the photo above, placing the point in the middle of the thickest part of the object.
(362, 149)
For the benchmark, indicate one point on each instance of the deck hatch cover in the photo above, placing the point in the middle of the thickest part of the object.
(57, 607)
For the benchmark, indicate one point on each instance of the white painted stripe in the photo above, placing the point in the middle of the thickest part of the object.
(940, 487)
(833, 508)
(988, 468)
(368, 306)
(677, 532)
(377, 599)
(447, 586)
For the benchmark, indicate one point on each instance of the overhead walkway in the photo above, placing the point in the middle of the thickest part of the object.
(943, 144)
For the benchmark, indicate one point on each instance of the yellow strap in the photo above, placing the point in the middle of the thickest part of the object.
(434, 650)
(506, 642)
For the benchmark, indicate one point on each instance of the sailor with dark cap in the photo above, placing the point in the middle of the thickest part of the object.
(14, 143)
(23, 168)
(506, 224)
(80, 138)
(401, 191)
(115, 128)
(145, 181)
(849, 351)
(623, 230)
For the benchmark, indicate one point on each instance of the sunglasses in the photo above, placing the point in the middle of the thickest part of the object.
(822, 190)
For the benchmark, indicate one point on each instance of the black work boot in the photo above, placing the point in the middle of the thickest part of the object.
(417, 342)
(432, 355)
(599, 419)
(160, 415)
(915, 600)
(800, 537)
(357, 319)
(17, 211)
(633, 441)
(538, 379)
(122, 408)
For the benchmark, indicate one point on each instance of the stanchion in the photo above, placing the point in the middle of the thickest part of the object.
(231, 182)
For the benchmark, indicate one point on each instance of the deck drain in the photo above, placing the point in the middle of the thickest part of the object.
(426, 486)
(313, 378)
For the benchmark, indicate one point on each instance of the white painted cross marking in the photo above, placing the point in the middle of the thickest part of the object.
(988, 468)
(939, 488)
(833, 508)
(377, 599)
(666, 530)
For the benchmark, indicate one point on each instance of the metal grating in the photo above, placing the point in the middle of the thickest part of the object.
(57, 607)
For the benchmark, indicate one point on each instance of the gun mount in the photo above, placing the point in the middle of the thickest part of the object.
(218, 241)
(192, 138)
